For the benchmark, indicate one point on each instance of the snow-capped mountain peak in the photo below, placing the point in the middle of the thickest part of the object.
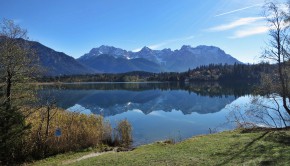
(177, 60)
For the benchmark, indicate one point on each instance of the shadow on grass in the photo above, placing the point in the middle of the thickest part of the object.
(268, 135)
(278, 135)
(281, 138)
(245, 149)
(252, 150)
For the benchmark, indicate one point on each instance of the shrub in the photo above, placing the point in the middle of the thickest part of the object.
(123, 135)
(63, 131)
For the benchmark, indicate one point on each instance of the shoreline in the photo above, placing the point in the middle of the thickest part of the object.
(100, 82)
(209, 149)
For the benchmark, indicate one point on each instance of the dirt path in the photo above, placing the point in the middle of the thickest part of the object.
(88, 156)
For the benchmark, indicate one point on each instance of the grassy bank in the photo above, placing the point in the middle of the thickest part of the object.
(239, 147)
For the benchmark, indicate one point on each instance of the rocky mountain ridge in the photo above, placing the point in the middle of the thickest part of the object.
(167, 60)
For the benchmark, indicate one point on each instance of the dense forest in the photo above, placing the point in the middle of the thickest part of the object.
(124, 77)
(218, 72)
(212, 72)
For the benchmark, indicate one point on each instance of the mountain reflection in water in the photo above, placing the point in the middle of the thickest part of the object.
(156, 110)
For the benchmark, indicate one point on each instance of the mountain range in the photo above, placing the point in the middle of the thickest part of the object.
(109, 59)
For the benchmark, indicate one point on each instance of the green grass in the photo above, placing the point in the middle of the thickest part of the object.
(62, 158)
(239, 147)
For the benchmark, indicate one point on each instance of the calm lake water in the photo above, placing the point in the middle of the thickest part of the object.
(157, 111)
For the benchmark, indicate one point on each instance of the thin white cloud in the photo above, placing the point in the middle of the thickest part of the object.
(166, 42)
(250, 32)
(255, 30)
(159, 45)
(155, 46)
(237, 23)
(237, 10)
(137, 49)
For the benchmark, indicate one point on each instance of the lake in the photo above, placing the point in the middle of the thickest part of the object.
(157, 111)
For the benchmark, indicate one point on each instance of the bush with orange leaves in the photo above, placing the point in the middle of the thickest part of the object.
(56, 131)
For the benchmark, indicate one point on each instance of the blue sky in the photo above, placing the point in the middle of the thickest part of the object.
(76, 26)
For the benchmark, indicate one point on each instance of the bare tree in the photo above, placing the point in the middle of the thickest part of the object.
(278, 49)
(18, 63)
(271, 107)
(17, 67)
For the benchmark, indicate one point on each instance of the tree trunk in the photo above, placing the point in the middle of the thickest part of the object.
(284, 88)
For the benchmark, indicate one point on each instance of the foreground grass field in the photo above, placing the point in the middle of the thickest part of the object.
(239, 147)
